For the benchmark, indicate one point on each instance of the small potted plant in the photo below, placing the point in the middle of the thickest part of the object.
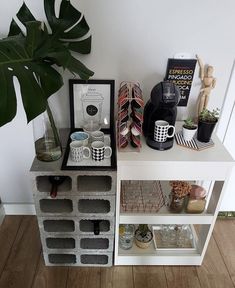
(189, 129)
(179, 190)
(206, 124)
(143, 236)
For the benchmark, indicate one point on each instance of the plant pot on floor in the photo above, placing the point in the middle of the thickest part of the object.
(143, 236)
(205, 130)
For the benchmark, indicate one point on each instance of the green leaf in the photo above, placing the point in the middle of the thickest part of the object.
(50, 80)
(68, 13)
(60, 57)
(7, 97)
(12, 51)
(34, 57)
(75, 66)
(49, 6)
(14, 29)
(34, 99)
(33, 38)
(24, 15)
(83, 46)
(79, 30)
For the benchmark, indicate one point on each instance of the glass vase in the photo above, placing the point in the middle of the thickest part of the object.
(126, 236)
(46, 137)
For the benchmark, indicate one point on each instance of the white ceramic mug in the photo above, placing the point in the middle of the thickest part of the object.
(161, 131)
(78, 151)
(80, 136)
(99, 151)
(97, 136)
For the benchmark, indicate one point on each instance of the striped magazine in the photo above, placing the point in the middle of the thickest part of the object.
(193, 144)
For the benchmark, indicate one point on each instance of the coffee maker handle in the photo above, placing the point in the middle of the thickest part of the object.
(173, 132)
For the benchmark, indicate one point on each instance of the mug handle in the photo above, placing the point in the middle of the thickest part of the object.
(110, 151)
(89, 152)
(173, 133)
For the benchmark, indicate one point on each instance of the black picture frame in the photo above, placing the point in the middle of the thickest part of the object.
(108, 87)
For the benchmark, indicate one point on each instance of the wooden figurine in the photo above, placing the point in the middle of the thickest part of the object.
(208, 83)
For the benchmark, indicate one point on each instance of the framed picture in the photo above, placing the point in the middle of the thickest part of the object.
(91, 103)
(91, 110)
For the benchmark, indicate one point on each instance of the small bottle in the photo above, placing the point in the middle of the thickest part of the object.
(126, 236)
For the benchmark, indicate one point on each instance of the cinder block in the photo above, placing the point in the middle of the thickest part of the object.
(58, 226)
(59, 244)
(86, 226)
(72, 259)
(59, 206)
(78, 183)
(96, 205)
(97, 183)
(93, 259)
(96, 243)
(61, 259)
(65, 223)
(41, 185)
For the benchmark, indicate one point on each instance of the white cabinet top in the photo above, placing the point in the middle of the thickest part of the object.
(215, 162)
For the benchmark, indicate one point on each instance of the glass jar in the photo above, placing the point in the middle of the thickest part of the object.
(126, 236)
(195, 205)
(46, 137)
(176, 204)
(197, 200)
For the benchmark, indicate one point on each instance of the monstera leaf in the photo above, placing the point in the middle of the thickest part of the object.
(33, 55)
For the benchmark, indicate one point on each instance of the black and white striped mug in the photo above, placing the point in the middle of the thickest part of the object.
(99, 151)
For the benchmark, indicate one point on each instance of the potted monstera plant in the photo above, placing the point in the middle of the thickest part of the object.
(32, 52)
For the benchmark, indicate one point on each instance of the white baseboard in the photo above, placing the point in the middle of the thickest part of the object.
(19, 209)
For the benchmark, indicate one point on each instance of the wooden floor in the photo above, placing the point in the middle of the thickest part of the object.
(22, 265)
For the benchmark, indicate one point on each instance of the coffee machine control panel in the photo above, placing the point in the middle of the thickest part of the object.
(168, 94)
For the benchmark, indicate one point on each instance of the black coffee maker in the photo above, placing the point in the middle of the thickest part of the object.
(161, 106)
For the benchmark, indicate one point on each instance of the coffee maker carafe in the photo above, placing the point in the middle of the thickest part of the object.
(161, 106)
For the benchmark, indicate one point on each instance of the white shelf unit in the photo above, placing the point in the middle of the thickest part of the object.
(179, 163)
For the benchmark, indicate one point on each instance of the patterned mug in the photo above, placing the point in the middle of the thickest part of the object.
(78, 151)
(99, 151)
(161, 131)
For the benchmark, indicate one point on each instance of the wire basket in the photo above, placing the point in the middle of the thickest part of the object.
(141, 196)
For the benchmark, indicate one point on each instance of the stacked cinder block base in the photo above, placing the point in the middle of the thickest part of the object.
(66, 223)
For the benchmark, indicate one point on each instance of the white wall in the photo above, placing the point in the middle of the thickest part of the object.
(225, 132)
(132, 40)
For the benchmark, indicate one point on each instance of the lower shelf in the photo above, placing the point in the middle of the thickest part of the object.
(153, 256)
(150, 256)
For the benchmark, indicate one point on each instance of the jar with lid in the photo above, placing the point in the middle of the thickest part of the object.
(180, 189)
(197, 200)
(126, 236)
(176, 203)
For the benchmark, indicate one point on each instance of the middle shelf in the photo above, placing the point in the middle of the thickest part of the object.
(165, 217)
(148, 202)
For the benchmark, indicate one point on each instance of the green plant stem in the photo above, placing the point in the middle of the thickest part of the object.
(51, 119)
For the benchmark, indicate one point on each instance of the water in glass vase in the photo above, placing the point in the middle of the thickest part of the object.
(47, 149)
